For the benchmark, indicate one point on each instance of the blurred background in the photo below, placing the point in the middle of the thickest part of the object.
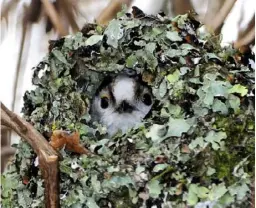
(28, 25)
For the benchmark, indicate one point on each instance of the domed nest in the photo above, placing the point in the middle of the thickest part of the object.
(196, 145)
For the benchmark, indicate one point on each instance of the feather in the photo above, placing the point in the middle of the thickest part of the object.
(125, 107)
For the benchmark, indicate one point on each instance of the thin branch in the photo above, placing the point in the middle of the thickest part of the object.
(245, 37)
(34, 10)
(249, 25)
(7, 8)
(5, 136)
(26, 28)
(246, 40)
(4, 128)
(48, 157)
(181, 6)
(7, 151)
(111, 10)
(54, 17)
(220, 17)
(68, 10)
(213, 7)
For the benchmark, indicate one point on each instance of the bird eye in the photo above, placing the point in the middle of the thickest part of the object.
(146, 99)
(104, 102)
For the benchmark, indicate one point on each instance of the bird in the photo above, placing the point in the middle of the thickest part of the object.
(121, 102)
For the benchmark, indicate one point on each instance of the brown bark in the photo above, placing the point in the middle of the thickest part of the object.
(23, 51)
(213, 8)
(181, 6)
(5, 143)
(6, 150)
(216, 24)
(246, 40)
(250, 25)
(246, 36)
(111, 10)
(67, 9)
(48, 157)
(8, 7)
(54, 17)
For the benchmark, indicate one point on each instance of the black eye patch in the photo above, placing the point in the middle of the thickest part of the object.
(138, 90)
(140, 93)
(106, 82)
(146, 99)
(112, 97)
(104, 102)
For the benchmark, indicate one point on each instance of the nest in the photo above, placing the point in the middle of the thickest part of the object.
(197, 144)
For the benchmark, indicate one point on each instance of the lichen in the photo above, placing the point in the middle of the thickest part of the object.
(196, 145)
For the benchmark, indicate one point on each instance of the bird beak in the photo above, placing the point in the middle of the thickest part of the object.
(125, 107)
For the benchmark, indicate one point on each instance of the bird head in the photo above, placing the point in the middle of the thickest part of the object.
(121, 102)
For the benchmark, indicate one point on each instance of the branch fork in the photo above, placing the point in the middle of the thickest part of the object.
(48, 157)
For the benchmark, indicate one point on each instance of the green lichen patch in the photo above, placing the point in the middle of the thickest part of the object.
(196, 146)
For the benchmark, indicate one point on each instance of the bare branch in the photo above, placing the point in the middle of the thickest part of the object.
(54, 17)
(26, 28)
(48, 157)
(33, 12)
(246, 40)
(8, 7)
(111, 10)
(213, 8)
(245, 36)
(181, 6)
(68, 11)
(4, 128)
(6, 155)
(220, 17)
(7, 151)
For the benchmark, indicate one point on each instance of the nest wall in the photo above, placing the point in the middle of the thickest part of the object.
(196, 145)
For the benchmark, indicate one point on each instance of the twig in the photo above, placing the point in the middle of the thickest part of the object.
(220, 17)
(111, 10)
(167, 170)
(181, 6)
(7, 151)
(249, 26)
(5, 10)
(246, 40)
(26, 29)
(48, 157)
(213, 8)
(68, 10)
(4, 128)
(54, 17)
(246, 36)
(34, 11)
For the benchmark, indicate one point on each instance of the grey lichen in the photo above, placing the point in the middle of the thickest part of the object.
(196, 145)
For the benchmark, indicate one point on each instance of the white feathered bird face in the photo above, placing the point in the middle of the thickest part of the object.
(121, 103)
